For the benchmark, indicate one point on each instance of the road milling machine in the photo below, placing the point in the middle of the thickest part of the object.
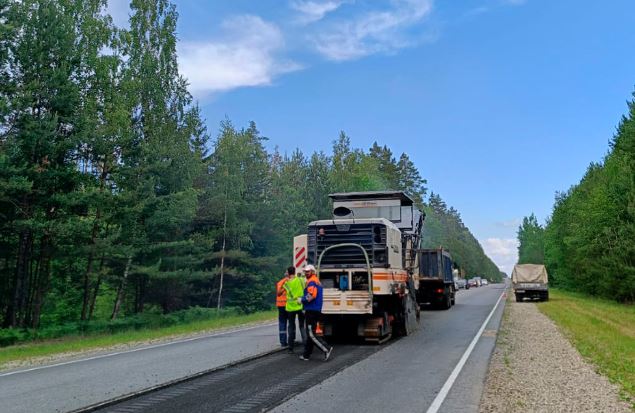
(366, 259)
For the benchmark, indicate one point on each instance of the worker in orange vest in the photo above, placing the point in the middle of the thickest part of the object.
(281, 303)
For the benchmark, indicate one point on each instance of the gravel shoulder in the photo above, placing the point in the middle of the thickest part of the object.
(534, 368)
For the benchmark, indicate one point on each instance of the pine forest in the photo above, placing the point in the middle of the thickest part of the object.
(119, 203)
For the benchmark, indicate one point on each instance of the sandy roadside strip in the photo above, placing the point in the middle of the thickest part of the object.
(534, 368)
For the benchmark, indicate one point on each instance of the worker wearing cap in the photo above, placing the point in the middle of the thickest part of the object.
(312, 302)
(281, 303)
(295, 289)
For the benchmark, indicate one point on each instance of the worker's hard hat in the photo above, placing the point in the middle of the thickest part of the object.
(309, 268)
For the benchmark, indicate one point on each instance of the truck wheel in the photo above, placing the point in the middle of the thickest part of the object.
(447, 301)
(546, 296)
(519, 298)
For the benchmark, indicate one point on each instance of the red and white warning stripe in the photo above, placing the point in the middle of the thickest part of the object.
(300, 251)
(300, 257)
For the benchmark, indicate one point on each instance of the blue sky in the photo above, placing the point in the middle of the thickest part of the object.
(500, 103)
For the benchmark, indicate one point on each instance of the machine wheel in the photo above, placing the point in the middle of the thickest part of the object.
(410, 315)
(519, 298)
(377, 329)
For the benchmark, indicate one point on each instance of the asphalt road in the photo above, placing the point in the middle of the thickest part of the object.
(254, 386)
(405, 375)
(408, 375)
(82, 382)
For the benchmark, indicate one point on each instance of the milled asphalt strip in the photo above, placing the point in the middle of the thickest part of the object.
(250, 387)
(171, 383)
(438, 401)
(11, 373)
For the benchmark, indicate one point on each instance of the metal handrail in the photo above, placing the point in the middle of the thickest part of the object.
(349, 244)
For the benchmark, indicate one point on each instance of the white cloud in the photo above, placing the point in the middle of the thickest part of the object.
(511, 223)
(312, 10)
(503, 251)
(247, 54)
(372, 32)
(514, 2)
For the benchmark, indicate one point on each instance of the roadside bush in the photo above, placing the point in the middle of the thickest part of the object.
(10, 336)
(149, 320)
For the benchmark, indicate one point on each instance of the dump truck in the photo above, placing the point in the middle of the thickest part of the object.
(530, 281)
(435, 280)
(366, 258)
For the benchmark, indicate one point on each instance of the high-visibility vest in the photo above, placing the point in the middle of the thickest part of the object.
(281, 293)
(312, 299)
(295, 289)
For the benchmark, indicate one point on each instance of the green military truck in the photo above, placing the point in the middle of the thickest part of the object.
(530, 281)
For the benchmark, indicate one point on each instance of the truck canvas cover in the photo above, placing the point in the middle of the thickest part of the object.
(529, 273)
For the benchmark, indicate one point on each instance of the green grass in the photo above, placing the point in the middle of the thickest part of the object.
(82, 343)
(602, 331)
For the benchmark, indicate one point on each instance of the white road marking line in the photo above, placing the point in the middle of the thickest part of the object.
(438, 401)
(101, 356)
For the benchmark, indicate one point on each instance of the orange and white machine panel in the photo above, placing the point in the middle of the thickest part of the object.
(389, 281)
(348, 301)
(300, 252)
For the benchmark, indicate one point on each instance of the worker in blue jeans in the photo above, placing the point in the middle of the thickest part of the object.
(281, 303)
